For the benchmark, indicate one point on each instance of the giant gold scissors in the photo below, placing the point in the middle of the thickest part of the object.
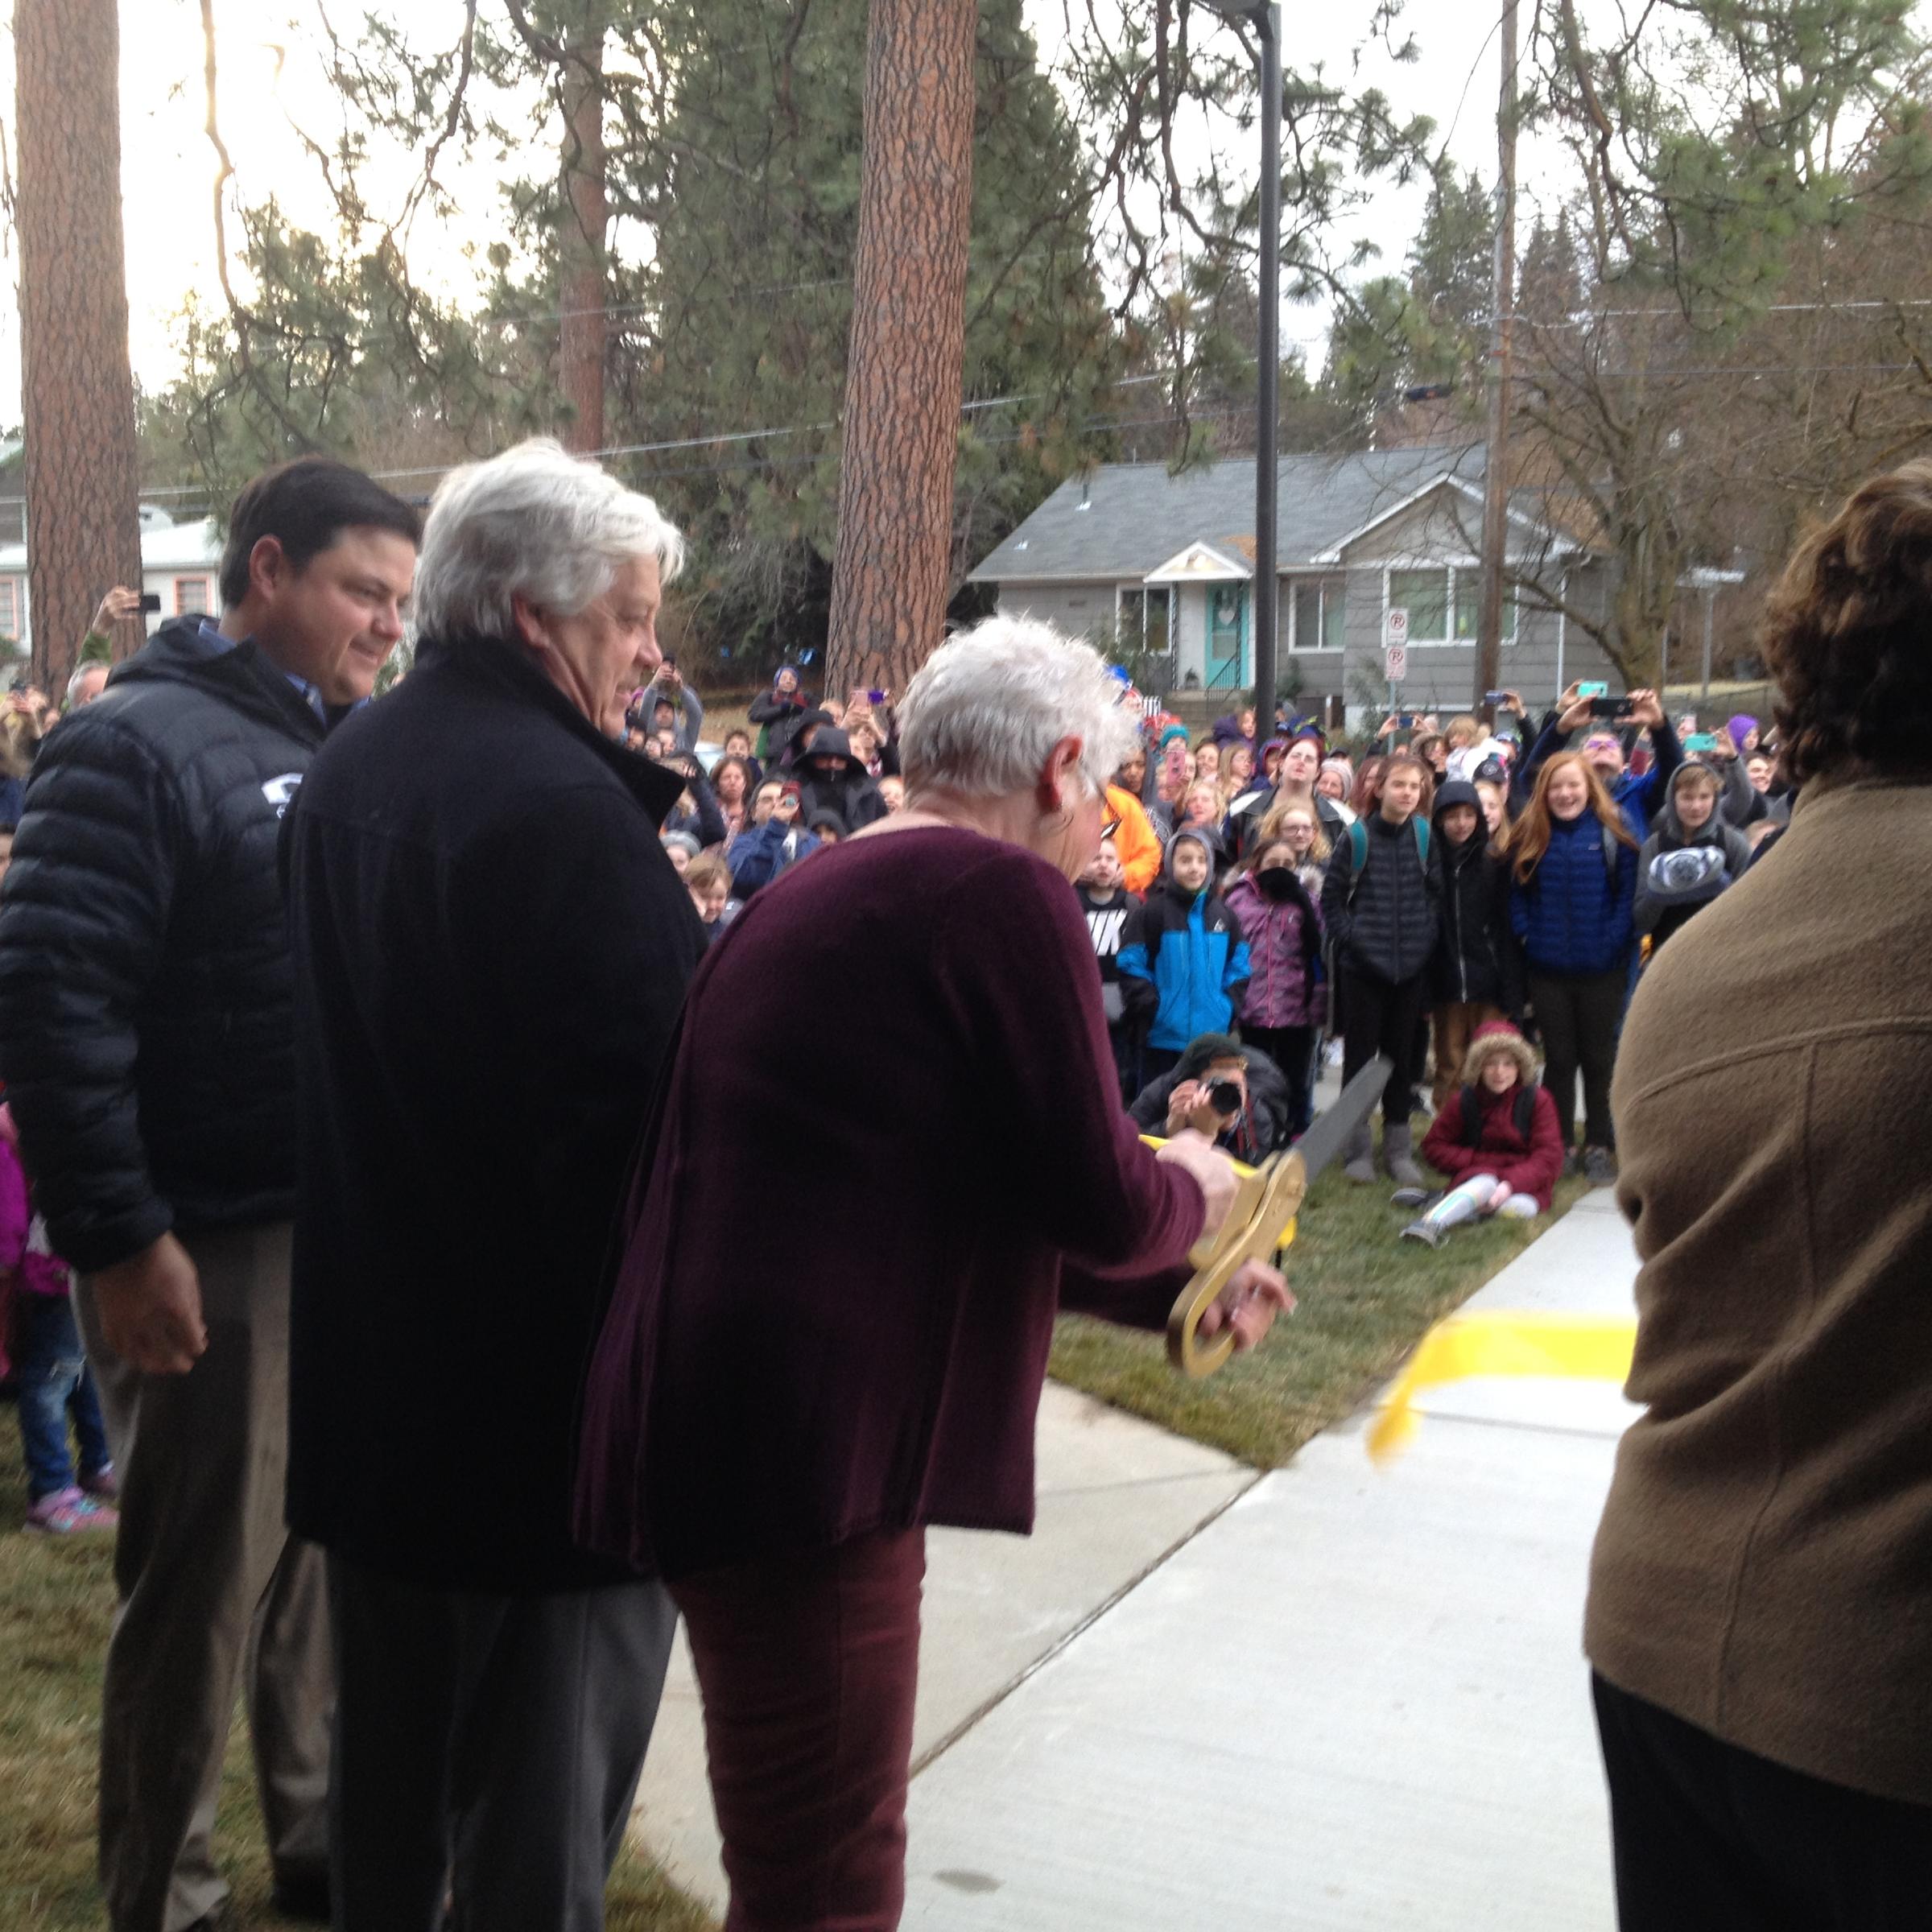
(1261, 1221)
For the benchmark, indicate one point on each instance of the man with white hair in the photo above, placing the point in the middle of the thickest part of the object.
(491, 952)
(87, 683)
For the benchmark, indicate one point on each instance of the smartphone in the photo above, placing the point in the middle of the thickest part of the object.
(1495, 697)
(1701, 740)
(1601, 707)
(875, 697)
(1593, 691)
(1404, 721)
(151, 602)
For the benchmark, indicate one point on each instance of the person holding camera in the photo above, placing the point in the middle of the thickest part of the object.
(1607, 718)
(775, 840)
(778, 713)
(668, 703)
(1225, 1090)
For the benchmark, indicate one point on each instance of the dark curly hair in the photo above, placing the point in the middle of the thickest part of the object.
(1847, 635)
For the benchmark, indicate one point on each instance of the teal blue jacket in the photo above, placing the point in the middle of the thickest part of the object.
(1183, 964)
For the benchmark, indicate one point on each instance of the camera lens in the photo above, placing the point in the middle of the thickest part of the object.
(1224, 1096)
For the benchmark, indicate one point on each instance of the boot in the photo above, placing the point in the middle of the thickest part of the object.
(1358, 1156)
(1396, 1156)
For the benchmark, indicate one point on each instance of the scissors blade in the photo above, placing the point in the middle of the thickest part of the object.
(1329, 1132)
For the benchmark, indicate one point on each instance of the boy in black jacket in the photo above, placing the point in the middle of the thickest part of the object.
(1379, 904)
(1474, 977)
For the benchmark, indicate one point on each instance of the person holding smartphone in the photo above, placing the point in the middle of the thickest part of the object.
(1604, 748)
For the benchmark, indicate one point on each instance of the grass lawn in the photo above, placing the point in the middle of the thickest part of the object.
(56, 1602)
(1366, 1299)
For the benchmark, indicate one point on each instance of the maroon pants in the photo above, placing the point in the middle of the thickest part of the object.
(808, 1664)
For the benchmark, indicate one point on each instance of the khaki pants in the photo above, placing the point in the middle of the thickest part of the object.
(212, 1589)
(1455, 1025)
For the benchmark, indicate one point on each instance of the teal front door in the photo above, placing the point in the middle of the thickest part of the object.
(1227, 631)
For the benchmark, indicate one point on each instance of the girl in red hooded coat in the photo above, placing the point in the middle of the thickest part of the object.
(1496, 1140)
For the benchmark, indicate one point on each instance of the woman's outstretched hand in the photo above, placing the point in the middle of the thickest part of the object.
(1192, 1150)
(1248, 1304)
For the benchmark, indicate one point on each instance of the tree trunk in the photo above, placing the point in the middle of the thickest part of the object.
(77, 392)
(581, 283)
(904, 373)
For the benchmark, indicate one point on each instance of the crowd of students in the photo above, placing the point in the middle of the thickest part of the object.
(1449, 897)
(1479, 881)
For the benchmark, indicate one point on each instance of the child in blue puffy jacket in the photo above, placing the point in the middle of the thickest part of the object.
(1183, 962)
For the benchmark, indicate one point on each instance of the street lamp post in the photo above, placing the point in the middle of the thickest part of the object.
(1267, 21)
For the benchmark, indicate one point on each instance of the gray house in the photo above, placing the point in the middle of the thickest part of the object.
(1131, 555)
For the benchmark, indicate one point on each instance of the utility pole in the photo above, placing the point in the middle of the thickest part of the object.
(1266, 20)
(1267, 581)
(1496, 478)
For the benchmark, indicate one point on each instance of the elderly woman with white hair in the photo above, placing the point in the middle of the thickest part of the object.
(772, 1427)
(491, 949)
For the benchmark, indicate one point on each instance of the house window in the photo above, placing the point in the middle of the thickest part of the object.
(1467, 590)
(9, 608)
(1141, 620)
(1320, 606)
(1445, 604)
(191, 594)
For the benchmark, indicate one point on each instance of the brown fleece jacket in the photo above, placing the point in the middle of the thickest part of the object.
(1764, 1567)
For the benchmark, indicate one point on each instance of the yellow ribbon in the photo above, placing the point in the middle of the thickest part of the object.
(1584, 1347)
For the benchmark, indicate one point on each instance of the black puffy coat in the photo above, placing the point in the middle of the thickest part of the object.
(145, 983)
(1385, 923)
(488, 971)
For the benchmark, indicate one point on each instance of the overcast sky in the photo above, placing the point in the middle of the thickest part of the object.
(270, 78)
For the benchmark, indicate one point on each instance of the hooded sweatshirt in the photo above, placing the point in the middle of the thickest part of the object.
(1183, 962)
(1476, 960)
(831, 779)
(1662, 906)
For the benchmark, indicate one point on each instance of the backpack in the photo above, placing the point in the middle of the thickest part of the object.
(1358, 849)
(1520, 1113)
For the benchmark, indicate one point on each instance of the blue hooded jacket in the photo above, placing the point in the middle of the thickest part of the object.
(1574, 914)
(1183, 961)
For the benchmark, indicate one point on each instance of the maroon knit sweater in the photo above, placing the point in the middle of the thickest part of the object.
(889, 1150)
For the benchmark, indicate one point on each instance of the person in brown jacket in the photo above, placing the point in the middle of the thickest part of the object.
(1760, 1617)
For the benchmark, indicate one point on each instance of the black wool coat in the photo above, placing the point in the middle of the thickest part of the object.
(145, 985)
(491, 950)
(1476, 958)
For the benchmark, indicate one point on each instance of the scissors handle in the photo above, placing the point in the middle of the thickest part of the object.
(1261, 1220)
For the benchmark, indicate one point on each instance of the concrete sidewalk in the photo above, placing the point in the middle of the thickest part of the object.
(1116, 1496)
(1339, 1696)
(1354, 1701)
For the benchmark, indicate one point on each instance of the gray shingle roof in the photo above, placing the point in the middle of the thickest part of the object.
(1138, 515)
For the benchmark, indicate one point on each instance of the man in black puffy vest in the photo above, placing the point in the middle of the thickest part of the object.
(146, 992)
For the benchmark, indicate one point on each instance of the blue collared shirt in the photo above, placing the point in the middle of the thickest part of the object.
(216, 644)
